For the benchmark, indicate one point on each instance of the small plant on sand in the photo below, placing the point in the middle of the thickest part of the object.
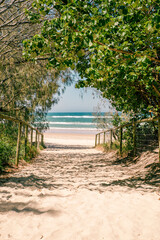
(115, 146)
(32, 152)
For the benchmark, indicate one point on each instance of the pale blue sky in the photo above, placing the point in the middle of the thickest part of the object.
(80, 100)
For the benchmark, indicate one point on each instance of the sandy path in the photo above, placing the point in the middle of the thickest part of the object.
(78, 193)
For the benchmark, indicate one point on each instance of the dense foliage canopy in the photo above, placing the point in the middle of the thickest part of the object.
(114, 46)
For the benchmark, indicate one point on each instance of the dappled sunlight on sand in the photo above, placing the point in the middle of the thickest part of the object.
(73, 191)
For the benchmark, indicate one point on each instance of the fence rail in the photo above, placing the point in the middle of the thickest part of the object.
(27, 126)
(108, 135)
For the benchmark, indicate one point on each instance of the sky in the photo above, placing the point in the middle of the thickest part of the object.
(81, 100)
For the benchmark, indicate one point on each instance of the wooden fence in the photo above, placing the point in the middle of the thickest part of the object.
(107, 136)
(27, 126)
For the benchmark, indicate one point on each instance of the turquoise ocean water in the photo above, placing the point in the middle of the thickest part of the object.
(79, 122)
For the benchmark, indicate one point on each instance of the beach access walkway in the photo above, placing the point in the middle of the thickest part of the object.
(76, 192)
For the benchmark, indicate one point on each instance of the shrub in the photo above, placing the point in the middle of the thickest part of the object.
(6, 152)
(31, 152)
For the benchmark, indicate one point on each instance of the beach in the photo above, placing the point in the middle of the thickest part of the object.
(73, 191)
(70, 138)
(79, 120)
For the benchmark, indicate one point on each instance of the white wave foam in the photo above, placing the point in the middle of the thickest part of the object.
(72, 123)
(72, 116)
(80, 116)
(78, 129)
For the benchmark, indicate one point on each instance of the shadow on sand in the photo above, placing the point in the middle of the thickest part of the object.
(21, 207)
(32, 181)
(150, 177)
(60, 146)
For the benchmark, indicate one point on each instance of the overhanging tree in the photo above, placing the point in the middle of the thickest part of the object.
(25, 87)
(114, 45)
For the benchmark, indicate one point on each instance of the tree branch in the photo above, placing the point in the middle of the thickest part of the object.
(156, 90)
(122, 51)
(126, 52)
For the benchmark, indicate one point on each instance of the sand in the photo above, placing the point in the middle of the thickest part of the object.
(75, 192)
(65, 139)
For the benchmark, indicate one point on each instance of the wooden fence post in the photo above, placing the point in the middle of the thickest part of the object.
(104, 138)
(134, 139)
(111, 133)
(159, 134)
(121, 137)
(36, 140)
(42, 143)
(99, 139)
(96, 140)
(31, 137)
(18, 143)
(26, 140)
